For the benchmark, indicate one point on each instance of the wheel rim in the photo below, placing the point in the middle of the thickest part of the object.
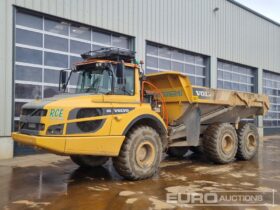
(145, 154)
(227, 144)
(251, 142)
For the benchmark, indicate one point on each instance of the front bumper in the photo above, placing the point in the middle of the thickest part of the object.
(96, 145)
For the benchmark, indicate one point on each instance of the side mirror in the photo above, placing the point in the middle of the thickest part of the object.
(62, 79)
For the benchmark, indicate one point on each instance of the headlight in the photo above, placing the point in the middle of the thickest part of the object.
(55, 129)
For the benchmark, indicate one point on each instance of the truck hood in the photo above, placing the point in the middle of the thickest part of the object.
(64, 100)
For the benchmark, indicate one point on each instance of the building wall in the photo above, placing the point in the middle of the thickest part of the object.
(231, 33)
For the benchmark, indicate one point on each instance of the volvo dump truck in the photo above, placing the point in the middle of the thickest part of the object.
(117, 112)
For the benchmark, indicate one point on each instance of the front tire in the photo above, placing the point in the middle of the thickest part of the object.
(140, 154)
(220, 143)
(248, 141)
(89, 160)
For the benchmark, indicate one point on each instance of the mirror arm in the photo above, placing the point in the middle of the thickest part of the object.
(66, 84)
(60, 76)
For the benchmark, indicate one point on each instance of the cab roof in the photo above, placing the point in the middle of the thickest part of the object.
(165, 73)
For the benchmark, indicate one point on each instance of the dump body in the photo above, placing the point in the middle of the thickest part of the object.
(215, 105)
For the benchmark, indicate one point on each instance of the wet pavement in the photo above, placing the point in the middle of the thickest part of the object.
(54, 182)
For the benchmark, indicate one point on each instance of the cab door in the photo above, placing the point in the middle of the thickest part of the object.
(125, 99)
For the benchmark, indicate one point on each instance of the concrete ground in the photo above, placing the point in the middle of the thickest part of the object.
(54, 182)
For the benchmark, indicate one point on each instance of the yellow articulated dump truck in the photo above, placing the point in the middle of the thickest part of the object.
(117, 112)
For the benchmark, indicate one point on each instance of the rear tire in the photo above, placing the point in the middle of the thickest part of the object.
(248, 141)
(220, 143)
(177, 152)
(140, 154)
(89, 160)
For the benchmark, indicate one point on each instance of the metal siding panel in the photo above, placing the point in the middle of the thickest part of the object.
(36, 5)
(52, 7)
(205, 26)
(143, 20)
(3, 31)
(271, 45)
(232, 33)
(66, 9)
(20, 2)
(59, 7)
(277, 49)
(73, 9)
(158, 32)
(122, 21)
(115, 17)
(45, 6)
(163, 22)
(160, 22)
(151, 20)
(105, 14)
(80, 11)
(178, 28)
(189, 27)
(28, 3)
(109, 15)
(140, 29)
(179, 17)
(6, 15)
(171, 25)
(88, 11)
(98, 13)
(201, 26)
(8, 68)
(184, 29)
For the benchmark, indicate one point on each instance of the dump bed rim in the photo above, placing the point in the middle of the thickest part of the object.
(165, 73)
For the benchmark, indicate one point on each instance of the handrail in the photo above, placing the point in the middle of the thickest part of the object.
(164, 110)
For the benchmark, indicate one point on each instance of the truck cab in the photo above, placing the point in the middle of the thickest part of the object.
(90, 124)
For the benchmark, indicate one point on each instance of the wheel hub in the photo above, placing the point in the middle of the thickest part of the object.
(227, 144)
(251, 142)
(145, 154)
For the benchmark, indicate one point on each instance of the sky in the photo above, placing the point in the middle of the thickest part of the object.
(268, 8)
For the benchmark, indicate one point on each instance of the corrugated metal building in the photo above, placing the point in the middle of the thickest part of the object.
(218, 43)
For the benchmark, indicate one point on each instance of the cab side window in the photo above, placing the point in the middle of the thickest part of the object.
(129, 80)
(126, 85)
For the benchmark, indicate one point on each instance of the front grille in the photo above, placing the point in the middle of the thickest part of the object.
(34, 112)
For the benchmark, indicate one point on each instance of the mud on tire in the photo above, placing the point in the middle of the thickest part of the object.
(220, 143)
(89, 160)
(140, 154)
(248, 141)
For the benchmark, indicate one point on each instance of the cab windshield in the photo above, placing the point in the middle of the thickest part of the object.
(100, 80)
